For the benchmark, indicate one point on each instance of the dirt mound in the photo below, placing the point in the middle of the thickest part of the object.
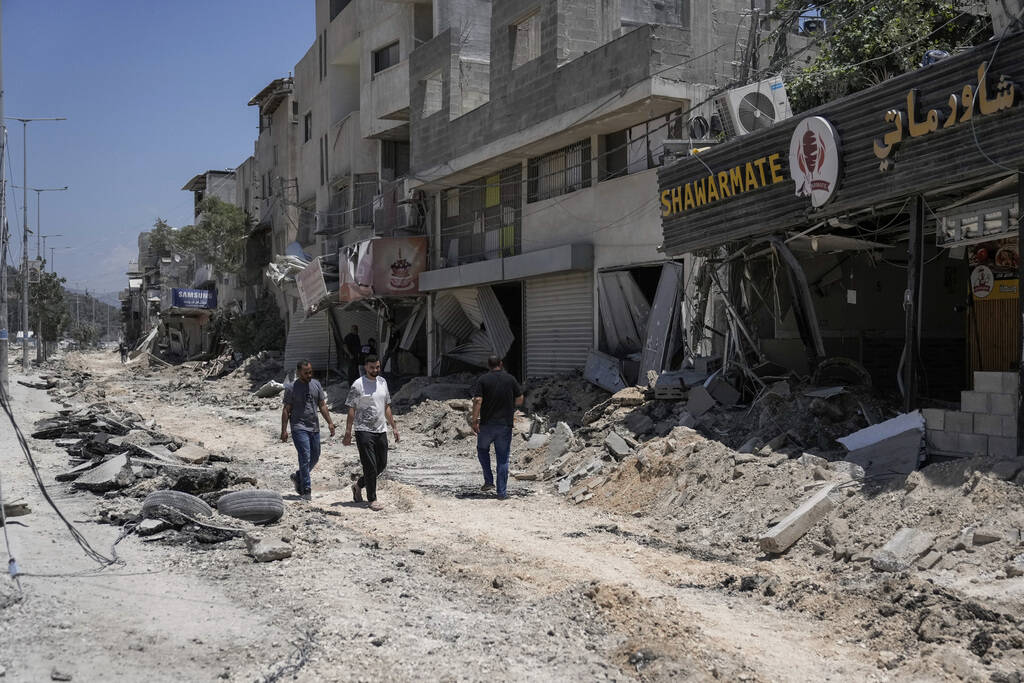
(442, 421)
(563, 398)
(260, 368)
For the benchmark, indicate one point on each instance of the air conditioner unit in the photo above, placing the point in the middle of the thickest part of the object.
(753, 107)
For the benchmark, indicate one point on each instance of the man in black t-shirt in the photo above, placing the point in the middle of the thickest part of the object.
(495, 397)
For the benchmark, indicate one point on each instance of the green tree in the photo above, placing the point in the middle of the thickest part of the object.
(46, 303)
(163, 239)
(84, 334)
(219, 236)
(261, 330)
(866, 43)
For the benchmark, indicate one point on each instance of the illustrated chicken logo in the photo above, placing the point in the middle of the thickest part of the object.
(811, 157)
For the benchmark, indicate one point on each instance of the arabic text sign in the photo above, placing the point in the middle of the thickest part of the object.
(310, 282)
(194, 298)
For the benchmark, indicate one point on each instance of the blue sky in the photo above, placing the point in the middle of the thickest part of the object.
(154, 93)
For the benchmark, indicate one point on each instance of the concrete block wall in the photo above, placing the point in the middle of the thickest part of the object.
(986, 423)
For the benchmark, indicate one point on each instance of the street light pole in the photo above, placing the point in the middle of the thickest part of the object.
(25, 120)
(40, 355)
(44, 245)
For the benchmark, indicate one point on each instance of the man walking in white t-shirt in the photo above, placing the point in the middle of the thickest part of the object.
(369, 411)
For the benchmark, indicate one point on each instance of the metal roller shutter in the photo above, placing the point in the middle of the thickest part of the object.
(559, 323)
(309, 339)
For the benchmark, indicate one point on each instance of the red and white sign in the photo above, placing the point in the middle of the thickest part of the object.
(815, 159)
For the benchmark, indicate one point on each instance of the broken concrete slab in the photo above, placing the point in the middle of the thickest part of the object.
(604, 371)
(792, 527)
(269, 551)
(902, 550)
(929, 560)
(630, 396)
(115, 473)
(699, 401)
(883, 430)
(986, 535)
(16, 509)
(270, 389)
(722, 391)
(847, 470)
(560, 443)
(148, 527)
(899, 454)
(808, 460)
(192, 454)
(537, 441)
(76, 471)
(687, 420)
(617, 446)
(639, 423)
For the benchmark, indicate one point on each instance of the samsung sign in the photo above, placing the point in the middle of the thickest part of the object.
(194, 298)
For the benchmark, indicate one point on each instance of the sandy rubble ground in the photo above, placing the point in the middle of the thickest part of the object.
(446, 584)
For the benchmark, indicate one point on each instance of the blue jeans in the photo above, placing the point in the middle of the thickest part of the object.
(307, 444)
(501, 437)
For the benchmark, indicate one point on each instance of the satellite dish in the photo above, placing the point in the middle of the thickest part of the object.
(756, 111)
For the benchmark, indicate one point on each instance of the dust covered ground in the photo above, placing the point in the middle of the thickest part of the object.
(644, 567)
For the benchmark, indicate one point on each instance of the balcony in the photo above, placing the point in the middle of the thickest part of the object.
(385, 103)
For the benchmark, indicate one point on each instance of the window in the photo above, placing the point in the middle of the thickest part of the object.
(275, 156)
(526, 40)
(307, 126)
(385, 57)
(337, 6)
(452, 203)
(322, 43)
(394, 159)
(561, 172)
(324, 167)
(365, 189)
(639, 147)
(434, 93)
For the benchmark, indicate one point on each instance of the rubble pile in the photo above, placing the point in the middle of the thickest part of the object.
(563, 398)
(442, 422)
(420, 389)
(260, 368)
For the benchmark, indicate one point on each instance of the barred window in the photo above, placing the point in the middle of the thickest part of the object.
(559, 172)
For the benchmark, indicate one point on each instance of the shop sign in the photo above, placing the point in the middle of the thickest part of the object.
(194, 298)
(972, 99)
(815, 159)
(384, 266)
(994, 269)
(715, 187)
(311, 285)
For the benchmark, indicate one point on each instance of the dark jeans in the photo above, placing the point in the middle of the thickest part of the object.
(501, 436)
(373, 454)
(307, 444)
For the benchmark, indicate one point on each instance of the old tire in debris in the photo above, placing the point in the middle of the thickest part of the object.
(258, 506)
(185, 503)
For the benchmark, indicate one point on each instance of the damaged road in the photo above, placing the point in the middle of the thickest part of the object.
(634, 582)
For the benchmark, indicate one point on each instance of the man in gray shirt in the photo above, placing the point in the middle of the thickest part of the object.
(369, 411)
(302, 399)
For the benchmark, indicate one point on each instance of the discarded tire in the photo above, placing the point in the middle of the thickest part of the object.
(258, 506)
(185, 503)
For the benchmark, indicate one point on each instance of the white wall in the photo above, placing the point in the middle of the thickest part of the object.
(595, 215)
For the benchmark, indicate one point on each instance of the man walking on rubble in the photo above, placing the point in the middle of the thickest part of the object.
(496, 394)
(302, 399)
(369, 412)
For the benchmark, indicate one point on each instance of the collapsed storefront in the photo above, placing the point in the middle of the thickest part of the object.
(897, 252)
(186, 322)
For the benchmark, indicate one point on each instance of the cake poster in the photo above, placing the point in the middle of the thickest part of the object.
(397, 264)
(994, 267)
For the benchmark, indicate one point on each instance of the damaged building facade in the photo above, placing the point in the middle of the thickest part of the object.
(537, 128)
(873, 240)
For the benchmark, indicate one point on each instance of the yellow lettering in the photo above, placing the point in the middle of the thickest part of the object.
(776, 168)
(666, 207)
(751, 178)
(698, 190)
(712, 190)
(760, 168)
(723, 184)
(736, 175)
(688, 196)
(677, 199)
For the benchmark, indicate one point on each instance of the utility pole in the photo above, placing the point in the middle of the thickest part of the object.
(25, 120)
(4, 334)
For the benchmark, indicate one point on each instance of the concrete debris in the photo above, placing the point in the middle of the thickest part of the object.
(797, 523)
(270, 389)
(901, 551)
(1006, 469)
(538, 441)
(723, 392)
(16, 509)
(267, 551)
(986, 535)
(148, 527)
(700, 401)
(617, 446)
(193, 455)
(115, 473)
(687, 420)
(630, 396)
(560, 443)
(59, 675)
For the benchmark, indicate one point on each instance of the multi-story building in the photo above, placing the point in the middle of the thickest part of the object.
(537, 126)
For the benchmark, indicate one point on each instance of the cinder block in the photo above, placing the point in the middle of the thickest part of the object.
(934, 418)
(942, 441)
(992, 382)
(959, 422)
(992, 425)
(975, 444)
(1002, 446)
(1003, 404)
(1010, 426)
(1011, 381)
(974, 401)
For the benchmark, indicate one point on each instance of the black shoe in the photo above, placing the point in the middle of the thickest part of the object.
(487, 487)
(294, 476)
(307, 494)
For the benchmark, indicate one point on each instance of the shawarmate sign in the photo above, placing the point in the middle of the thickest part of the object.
(312, 287)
